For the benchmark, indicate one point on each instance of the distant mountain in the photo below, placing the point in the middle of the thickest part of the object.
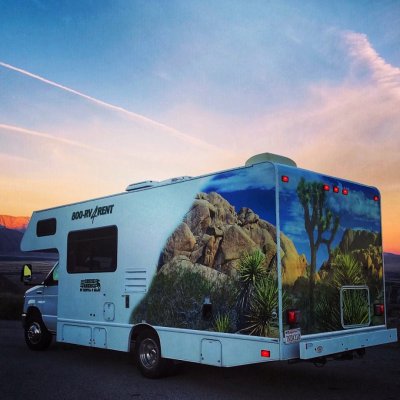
(14, 223)
(392, 266)
(10, 241)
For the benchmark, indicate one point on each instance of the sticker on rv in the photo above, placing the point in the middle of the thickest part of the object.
(92, 213)
(293, 335)
(90, 285)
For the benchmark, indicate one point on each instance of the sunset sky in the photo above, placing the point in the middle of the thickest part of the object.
(95, 95)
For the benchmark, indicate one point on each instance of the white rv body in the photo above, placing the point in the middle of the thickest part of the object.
(95, 308)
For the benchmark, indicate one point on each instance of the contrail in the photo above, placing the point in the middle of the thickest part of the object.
(137, 117)
(43, 135)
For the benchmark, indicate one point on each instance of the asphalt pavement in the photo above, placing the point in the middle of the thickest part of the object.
(73, 372)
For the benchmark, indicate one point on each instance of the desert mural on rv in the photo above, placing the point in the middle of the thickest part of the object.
(337, 226)
(218, 269)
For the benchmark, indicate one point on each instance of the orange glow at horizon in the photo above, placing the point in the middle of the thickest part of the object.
(22, 200)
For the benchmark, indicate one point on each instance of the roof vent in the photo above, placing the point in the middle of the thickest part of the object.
(269, 157)
(141, 185)
(174, 180)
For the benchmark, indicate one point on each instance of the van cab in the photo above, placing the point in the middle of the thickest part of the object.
(39, 316)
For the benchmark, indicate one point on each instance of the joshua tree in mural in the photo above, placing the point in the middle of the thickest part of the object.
(318, 219)
(332, 222)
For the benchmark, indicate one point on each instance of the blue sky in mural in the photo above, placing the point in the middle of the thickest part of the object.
(254, 188)
(357, 210)
(251, 187)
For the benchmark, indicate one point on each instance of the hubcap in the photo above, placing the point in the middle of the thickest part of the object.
(148, 353)
(34, 333)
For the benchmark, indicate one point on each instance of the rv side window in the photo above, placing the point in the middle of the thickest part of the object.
(46, 227)
(92, 250)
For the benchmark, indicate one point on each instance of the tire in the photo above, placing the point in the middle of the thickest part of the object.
(37, 337)
(148, 355)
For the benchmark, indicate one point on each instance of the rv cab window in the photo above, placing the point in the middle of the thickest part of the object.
(92, 250)
(52, 277)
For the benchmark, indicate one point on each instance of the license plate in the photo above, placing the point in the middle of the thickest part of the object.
(293, 335)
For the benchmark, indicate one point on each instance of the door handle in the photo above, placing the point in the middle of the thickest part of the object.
(39, 292)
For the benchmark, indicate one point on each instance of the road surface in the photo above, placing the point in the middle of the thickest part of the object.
(72, 372)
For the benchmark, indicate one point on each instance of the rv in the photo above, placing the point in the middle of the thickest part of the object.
(254, 264)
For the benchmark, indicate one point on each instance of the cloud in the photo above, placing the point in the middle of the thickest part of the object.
(358, 205)
(47, 136)
(12, 158)
(136, 117)
(294, 225)
(348, 128)
(364, 55)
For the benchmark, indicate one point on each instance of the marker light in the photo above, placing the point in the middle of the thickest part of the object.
(265, 353)
(379, 309)
(335, 189)
(376, 198)
(326, 188)
(345, 192)
(293, 317)
(285, 178)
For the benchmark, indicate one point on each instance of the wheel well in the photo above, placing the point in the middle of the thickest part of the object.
(33, 312)
(137, 330)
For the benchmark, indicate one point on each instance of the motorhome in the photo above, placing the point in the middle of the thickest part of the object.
(254, 264)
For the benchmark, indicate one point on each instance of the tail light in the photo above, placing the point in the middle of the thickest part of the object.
(285, 179)
(293, 317)
(326, 188)
(265, 353)
(379, 309)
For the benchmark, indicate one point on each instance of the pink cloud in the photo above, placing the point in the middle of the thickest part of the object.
(363, 54)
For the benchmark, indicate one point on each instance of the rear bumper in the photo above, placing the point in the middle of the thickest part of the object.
(320, 347)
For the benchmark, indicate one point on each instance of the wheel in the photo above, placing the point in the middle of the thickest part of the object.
(37, 337)
(148, 355)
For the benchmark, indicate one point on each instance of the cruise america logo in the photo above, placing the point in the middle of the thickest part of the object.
(92, 212)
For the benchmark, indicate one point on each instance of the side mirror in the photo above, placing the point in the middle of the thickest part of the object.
(26, 274)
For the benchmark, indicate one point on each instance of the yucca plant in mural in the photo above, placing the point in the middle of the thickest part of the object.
(262, 315)
(346, 271)
(257, 296)
(355, 307)
(327, 308)
(222, 323)
(251, 270)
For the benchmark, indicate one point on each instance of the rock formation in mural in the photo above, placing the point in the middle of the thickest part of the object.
(214, 235)
(365, 247)
(203, 263)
